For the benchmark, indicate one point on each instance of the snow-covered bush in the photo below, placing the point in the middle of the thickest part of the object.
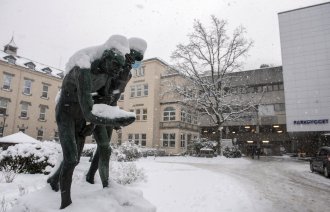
(88, 150)
(128, 151)
(8, 173)
(126, 173)
(195, 147)
(232, 152)
(30, 158)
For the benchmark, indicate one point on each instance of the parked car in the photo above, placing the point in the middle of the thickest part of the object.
(321, 161)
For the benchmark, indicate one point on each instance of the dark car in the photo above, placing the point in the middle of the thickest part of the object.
(321, 161)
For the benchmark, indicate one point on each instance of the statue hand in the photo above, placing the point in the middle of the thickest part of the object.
(123, 121)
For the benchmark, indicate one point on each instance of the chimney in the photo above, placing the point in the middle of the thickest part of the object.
(11, 47)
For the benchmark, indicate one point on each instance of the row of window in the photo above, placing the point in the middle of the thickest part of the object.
(257, 88)
(24, 109)
(139, 90)
(27, 85)
(169, 139)
(138, 139)
(40, 133)
(187, 116)
(141, 114)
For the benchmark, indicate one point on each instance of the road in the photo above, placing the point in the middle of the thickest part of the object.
(285, 182)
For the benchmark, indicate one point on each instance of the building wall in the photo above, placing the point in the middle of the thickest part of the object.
(14, 122)
(155, 103)
(305, 43)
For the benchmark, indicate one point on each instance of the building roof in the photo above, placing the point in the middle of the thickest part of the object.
(301, 8)
(18, 138)
(38, 67)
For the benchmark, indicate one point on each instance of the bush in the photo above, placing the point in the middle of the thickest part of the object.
(30, 158)
(232, 152)
(88, 150)
(126, 173)
(128, 151)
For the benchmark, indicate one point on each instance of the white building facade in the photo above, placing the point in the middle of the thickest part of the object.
(305, 43)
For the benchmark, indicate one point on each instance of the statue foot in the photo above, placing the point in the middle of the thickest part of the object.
(90, 179)
(65, 204)
(105, 184)
(54, 184)
(66, 200)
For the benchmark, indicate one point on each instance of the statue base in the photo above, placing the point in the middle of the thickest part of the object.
(86, 198)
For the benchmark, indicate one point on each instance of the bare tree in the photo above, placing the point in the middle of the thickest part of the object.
(209, 62)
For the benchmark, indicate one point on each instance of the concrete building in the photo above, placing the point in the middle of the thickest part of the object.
(305, 43)
(264, 126)
(162, 119)
(27, 95)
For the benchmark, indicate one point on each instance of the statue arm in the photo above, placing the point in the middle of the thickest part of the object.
(83, 81)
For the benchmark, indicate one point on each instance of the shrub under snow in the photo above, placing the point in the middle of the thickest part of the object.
(30, 158)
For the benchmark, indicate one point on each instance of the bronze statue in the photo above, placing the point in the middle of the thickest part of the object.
(74, 110)
(137, 48)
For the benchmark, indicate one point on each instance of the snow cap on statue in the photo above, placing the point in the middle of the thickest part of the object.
(138, 44)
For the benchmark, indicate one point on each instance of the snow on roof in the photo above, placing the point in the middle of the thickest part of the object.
(84, 57)
(137, 44)
(23, 62)
(17, 138)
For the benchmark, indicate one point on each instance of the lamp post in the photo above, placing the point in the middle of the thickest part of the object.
(3, 124)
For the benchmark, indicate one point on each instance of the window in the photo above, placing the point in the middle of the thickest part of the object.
(183, 115)
(3, 106)
(144, 114)
(139, 90)
(183, 140)
(27, 87)
(120, 135)
(269, 88)
(132, 91)
(130, 137)
(169, 140)
(40, 134)
(189, 116)
(141, 114)
(169, 114)
(44, 91)
(56, 137)
(143, 139)
(7, 79)
(138, 72)
(24, 109)
(279, 107)
(121, 97)
(281, 86)
(145, 90)
(275, 87)
(42, 114)
(136, 139)
(138, 113)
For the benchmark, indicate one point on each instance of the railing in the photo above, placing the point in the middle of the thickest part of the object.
(178, 124)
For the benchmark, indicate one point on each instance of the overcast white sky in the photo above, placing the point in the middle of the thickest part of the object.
(50, 31)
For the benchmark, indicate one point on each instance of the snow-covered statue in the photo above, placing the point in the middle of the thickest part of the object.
(89, 72)
(133, 60)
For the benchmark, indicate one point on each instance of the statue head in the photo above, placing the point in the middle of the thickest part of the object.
(137, 50)
(111, 62)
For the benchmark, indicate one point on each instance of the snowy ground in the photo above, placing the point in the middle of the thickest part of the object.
(181, 184)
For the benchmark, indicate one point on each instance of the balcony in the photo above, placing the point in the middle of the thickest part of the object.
(178, 125)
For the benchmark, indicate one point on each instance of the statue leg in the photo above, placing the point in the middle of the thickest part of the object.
(103, 142)
(54, 179)
(94, 166)
(70, 157)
